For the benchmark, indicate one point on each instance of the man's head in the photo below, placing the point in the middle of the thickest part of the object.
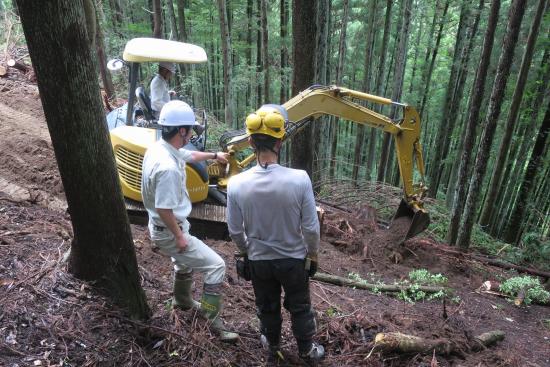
(167, 69)
(266, 128)
(177, 120)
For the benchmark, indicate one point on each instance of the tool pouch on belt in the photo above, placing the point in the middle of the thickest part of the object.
(243, 266)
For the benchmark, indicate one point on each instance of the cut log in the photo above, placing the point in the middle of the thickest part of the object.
(487, 339)
(403, 343)
(341, 281)
(395, 342)
(18, 65)
(3, 70)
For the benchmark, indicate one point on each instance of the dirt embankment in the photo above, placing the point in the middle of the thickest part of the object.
(49, 318)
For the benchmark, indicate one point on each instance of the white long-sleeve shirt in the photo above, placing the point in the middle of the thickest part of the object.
(159, 93)
(271, 213)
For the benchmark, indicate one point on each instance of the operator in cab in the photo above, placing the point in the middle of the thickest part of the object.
(163, 188)
(160, 94)
(272, 218)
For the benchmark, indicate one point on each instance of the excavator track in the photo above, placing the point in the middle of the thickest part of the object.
(207, 220)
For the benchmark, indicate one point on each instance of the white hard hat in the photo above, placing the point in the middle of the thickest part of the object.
(170, 66)
(177, 113)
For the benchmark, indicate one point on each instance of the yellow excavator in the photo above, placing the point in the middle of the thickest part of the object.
(133, 130)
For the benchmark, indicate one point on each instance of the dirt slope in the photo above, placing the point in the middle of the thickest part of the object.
(49, 318)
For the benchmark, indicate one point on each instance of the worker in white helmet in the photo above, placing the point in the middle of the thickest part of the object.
(167, 202)
(160, 93)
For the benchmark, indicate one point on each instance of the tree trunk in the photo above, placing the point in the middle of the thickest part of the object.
(174, 34)
(515, 16)
(335, 124)
(303, 56)
(473, 117)
(265, 50)
(428, 79)
(513, 232)
(226, 50)
(398, 76)
(157, 19)
(321, 141)
(102, 249)
(259, 63)
(181, 20)
(379, 85)
(102, 60)
(369, 50)
(283, 96)
(446, 125)
(420, 16)
(455, 107)
(495, 182)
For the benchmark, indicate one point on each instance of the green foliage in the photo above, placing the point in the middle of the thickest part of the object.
(531, 286)
(419, 278)
(423, 276)
(534, 249)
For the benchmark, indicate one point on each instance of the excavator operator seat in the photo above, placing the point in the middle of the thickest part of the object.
(145, 103)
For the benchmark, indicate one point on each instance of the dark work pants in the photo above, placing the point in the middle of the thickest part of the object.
(268, 277)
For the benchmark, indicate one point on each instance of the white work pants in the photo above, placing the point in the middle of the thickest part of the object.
(197, 257)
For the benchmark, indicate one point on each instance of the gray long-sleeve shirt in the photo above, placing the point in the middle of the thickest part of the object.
(271, 213)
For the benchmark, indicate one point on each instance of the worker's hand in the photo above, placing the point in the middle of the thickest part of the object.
(222, 157)
(311, 265)
(181, 243)
(172, 93)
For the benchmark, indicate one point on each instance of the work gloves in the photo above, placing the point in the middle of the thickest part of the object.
(311, 265)
(243, 266)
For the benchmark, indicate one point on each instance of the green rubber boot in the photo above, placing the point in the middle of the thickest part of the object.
(211, 305)
(182, 292)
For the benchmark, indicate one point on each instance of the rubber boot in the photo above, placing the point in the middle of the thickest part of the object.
(182, 292)
(314, 355)
(211, 305)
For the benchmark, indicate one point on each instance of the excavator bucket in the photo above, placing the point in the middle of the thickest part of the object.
(419, 219)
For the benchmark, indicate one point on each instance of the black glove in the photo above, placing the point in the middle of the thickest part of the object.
(311, 267)
(243, 266)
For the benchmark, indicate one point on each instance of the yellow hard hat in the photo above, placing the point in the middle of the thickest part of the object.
(268, 120)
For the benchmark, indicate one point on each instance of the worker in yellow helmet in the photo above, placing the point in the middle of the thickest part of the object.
(272, 218)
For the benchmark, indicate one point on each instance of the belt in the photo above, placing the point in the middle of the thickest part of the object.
(161, 228)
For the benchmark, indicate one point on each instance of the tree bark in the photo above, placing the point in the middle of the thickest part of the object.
(227, 72)
(335, 124)
(265, 50)
(398, 76)
(174, 34)
(102, 60)
(181, 21)
(379, 84)
(495, 182)
(517, 9)
(320, 140)
(102, 249)
(303, 57)
(427, 76)
(446, 125)
(473, 117)
(283, 95)
(513, 232)
(367, 72)
(157, 19)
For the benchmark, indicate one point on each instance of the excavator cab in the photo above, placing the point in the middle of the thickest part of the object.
(133, 127)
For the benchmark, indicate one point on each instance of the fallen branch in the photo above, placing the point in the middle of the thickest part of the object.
(396, 342)
(336, 280)
(18, 65)
(491, 261)
(506, 265)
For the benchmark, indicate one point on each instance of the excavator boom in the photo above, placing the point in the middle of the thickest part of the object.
(341, 102)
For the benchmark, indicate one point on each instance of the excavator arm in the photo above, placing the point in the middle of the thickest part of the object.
(341, 102)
